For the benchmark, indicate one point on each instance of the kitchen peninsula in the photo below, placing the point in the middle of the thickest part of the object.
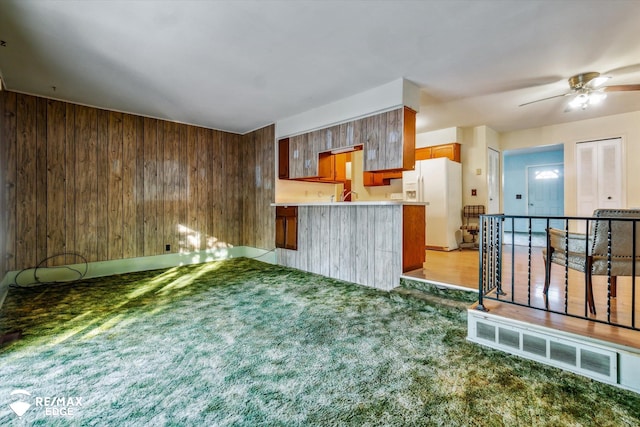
(354, 149)
(370, 242)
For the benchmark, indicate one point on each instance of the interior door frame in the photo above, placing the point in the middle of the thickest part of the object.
(498, 182)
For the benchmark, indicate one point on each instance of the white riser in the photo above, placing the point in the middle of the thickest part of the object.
(598, 360)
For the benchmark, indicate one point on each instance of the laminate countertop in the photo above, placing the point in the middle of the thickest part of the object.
(362, 203)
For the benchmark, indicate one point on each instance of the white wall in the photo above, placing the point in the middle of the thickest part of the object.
(475, 143)
(438, 137)
(626, 126)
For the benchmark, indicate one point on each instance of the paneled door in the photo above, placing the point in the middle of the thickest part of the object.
(599, 167)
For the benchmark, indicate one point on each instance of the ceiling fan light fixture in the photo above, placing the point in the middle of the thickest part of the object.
(580, 101)
(596, 97)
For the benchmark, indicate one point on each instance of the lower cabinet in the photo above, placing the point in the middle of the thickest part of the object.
(287, 227)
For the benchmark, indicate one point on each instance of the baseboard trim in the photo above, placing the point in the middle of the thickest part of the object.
(130, 265)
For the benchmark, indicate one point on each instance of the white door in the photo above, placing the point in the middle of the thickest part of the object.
(545, 194)
(493, 181)
(599, 167)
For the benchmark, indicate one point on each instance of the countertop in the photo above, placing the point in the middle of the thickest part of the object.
(362, 203)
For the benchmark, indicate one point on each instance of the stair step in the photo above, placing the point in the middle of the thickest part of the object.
(440, 291)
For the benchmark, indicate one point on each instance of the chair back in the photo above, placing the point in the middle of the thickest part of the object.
(472, 211)
(622, 240)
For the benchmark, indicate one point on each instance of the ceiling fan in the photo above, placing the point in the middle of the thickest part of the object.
(587, 90)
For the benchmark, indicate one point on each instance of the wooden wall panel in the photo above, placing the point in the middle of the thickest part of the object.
(115, 187)
(129, 151)
(8, 104)
(4, 179)
(249, 153)
(216, 188)
(202, 201)
(182, 176)
(86, 141)
(55, 180)
(192, 238)
(26, 182)
(170, 187)
(140, 183)
(230, 190)
(108, 185)
(150, 139)
(70, 183)
(102, 165)
(258, 187)
(41, 178)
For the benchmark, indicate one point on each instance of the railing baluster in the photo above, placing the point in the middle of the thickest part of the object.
(513, 258)
(633, 276)
(608, 272)
(528, 267)
(586, 262)
(566, 266)
(498, 252)
(481, 286)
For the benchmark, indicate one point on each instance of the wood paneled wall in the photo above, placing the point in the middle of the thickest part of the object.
(109, 185)
(259, 188)
(4, 218)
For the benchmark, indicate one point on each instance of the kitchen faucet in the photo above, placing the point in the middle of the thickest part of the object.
(346, 193)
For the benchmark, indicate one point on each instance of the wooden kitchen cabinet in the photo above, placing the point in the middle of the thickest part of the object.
(349, 134)
(283, 158)
(413, 237)
(389, 140)
(376, 179)
(287, 227)
(303, 159)
(423, 153)
(450, 151)
(332, 167)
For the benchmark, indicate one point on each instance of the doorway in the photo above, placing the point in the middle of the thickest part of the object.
(520, 170)
(493, 181)
(545, 194)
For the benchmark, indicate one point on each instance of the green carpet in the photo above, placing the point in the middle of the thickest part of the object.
(241, 342)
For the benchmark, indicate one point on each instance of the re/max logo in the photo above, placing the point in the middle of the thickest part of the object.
(59, 401)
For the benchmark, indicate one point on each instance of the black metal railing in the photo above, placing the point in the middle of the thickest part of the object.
(579, 268)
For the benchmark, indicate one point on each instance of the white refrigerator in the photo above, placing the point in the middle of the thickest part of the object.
(438, 183)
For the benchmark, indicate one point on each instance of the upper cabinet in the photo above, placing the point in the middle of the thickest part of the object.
(303, 158)
(349, 134)
(390, 140)
(450, 151)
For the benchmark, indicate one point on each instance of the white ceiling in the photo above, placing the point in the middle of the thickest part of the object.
(240, 65)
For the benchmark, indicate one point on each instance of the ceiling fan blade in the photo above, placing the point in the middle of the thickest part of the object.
(621, 88)
(544, 99)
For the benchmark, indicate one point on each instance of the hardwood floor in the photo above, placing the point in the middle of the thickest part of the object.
(566, 294)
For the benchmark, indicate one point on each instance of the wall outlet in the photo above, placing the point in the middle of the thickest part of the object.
(474, 192)
(167, 248)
